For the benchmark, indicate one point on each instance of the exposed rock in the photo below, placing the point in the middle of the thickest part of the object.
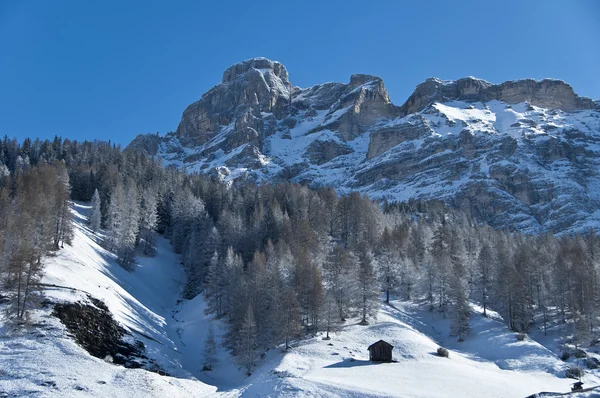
(95, 330)
(547, 93)
(258, 84)
(365, 103)
(249, 157)
(320, 152)
(388, 137)
(146, 143)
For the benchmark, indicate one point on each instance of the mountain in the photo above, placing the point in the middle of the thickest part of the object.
(523, 154)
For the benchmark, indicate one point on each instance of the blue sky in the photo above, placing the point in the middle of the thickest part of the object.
(114, 69)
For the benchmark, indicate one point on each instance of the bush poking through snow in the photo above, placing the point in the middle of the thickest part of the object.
(579, 353)
(442, 352)
(521, 336)
(592, 363)
(574, 372)
(565, 356)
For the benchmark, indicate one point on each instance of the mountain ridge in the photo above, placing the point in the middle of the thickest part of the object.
(527, 148)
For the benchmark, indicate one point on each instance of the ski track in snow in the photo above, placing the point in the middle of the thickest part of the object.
(45, 361)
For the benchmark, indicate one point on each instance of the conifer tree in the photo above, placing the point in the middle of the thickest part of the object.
(95, 216)
(368, 287)
(210, 350)
(247, 342)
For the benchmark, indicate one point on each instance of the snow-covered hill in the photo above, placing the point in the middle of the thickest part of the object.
(44, 360)
(521, 154)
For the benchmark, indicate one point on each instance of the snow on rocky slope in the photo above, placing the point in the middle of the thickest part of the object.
(526, 149)
(44, 360)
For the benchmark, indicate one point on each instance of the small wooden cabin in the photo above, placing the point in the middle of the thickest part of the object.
(380, 351)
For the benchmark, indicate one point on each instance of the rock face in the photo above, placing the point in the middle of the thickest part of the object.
(523, 154)
(547, 93)
(247, 89)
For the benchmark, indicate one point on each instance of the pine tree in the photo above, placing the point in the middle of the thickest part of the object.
(210, 350)
(95, 216)
(247, 342)
(331, 318)
(368, 287)
(290, 323)
(339, 275)
(148, 221)
(484, 275)
(215, 285)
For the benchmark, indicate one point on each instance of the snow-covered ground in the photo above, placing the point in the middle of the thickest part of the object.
(43, 360)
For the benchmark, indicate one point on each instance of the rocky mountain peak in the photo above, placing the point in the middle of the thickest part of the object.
(262, 65)
(247, 89)
(546, 93)
(359, 79)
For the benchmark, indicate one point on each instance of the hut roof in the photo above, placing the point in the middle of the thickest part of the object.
(380, 342)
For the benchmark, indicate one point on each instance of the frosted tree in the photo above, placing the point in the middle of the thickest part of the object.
(95, 216)
(148, 221)
(215, 286)
(339, 277)
(114, 229)
(331, 318)
(581, 330)
(387, 266)
(439, 266)
(123, 219)
(309, 289)
(61, 208)
(210, 350)
(247, 342)
(290, 321)
(483, 280)
(368, 289)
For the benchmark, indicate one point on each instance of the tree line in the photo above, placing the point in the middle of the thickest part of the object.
(278, 262)
(35, 220)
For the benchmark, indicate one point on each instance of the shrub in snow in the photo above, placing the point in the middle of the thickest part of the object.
(574, 372)
(521, 336)
(565, 356)
(442, 352)
(594, 342)
(592, 363)
(579, 353)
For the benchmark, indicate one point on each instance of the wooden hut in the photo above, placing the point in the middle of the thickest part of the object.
(380, 351)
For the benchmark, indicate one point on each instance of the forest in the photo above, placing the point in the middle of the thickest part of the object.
(278, 262)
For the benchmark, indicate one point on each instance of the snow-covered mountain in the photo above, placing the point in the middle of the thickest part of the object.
(523, 154)
(43, 358)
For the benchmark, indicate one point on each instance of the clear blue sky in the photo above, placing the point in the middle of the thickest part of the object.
(114, 69)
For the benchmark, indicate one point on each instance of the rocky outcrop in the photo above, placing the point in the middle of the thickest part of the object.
(320, 152)
(147, 144)
(388, 137)
(547, 93)
(365, 103)
(256, 85)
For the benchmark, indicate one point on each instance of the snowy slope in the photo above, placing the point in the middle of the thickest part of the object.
(43, 360)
